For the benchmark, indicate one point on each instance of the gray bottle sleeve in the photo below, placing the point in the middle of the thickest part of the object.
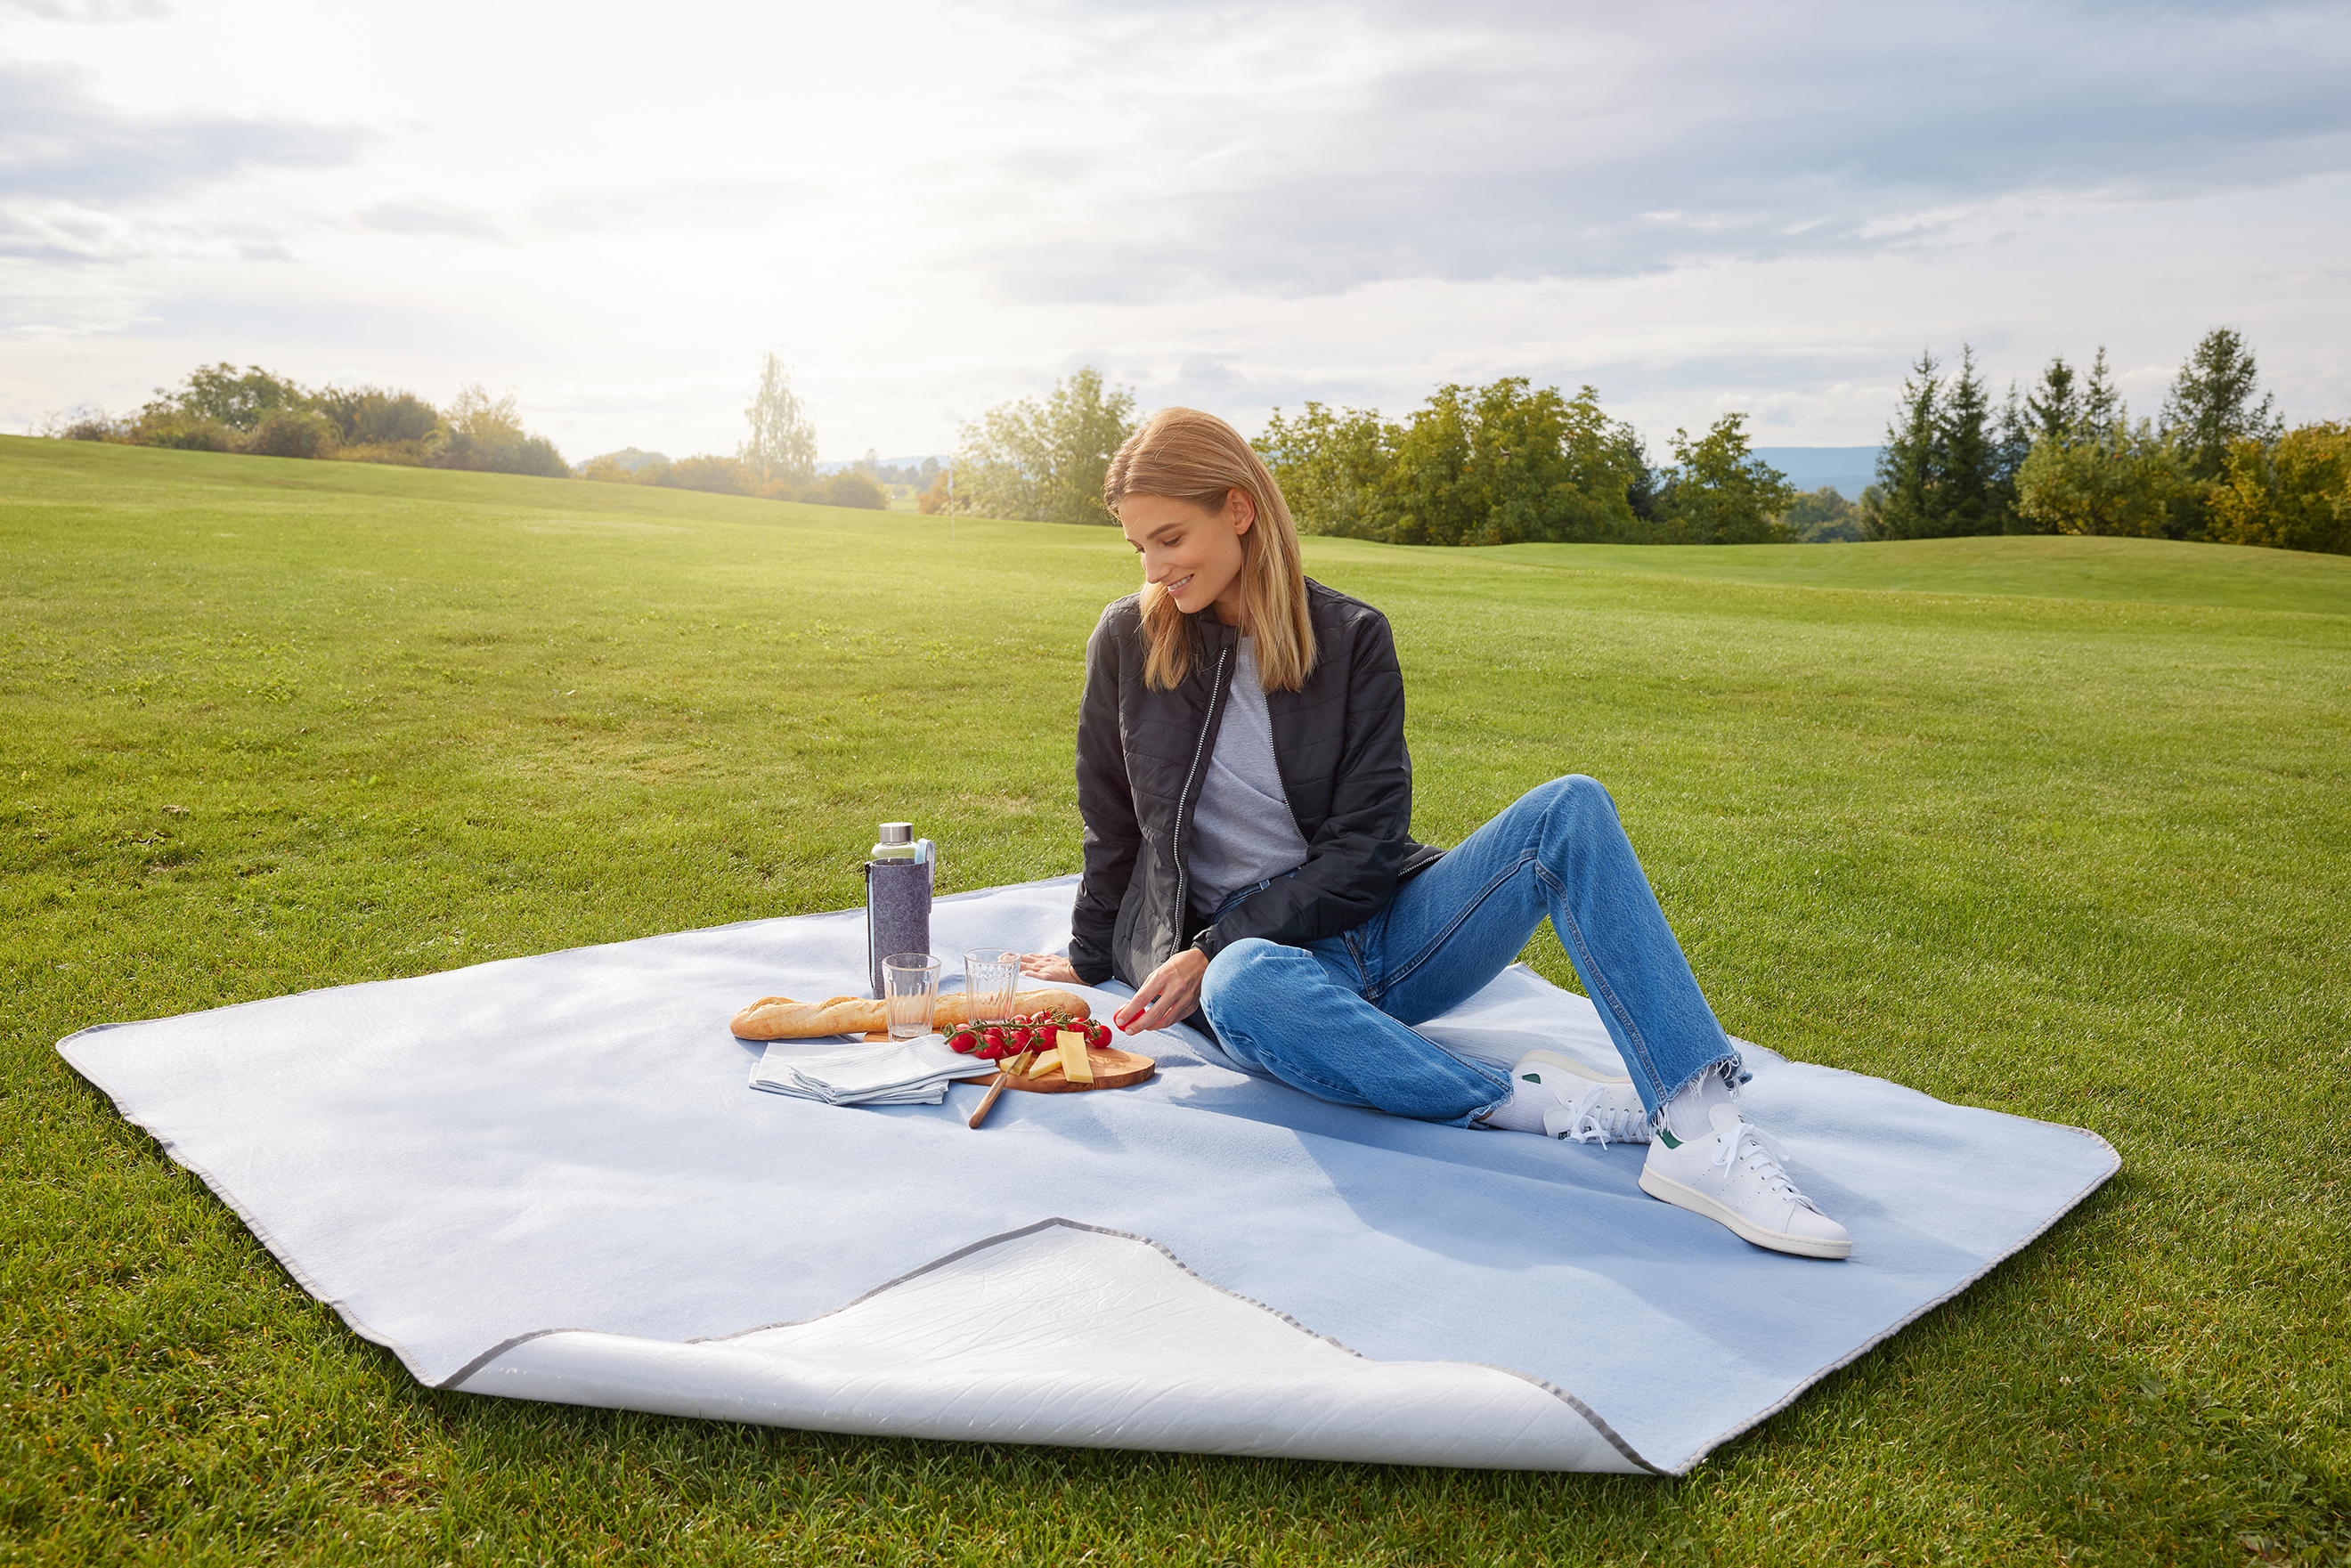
(897, 912)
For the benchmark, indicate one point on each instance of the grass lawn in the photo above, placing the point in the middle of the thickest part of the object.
(2059, 827)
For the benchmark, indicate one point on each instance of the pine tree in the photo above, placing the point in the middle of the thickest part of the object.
(1912, 461)
(2103, 411)
(1965, 500)
(2212, 404)
(2055, 405)
(2013, 446)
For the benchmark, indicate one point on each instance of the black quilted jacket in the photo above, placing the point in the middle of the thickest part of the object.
(1142, 755)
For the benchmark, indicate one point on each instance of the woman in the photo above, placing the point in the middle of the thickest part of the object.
(1249, 862)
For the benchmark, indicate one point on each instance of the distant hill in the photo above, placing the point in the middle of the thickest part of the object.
(629, 459)
(1846, 469)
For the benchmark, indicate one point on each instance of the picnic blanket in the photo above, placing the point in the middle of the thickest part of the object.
(549, 1178)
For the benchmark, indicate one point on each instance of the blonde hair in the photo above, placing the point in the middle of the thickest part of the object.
(1187, 456)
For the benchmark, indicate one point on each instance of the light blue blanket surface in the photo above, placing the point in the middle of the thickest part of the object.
(462, 1161)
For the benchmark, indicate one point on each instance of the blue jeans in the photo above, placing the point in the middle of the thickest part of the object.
(1334, 1019)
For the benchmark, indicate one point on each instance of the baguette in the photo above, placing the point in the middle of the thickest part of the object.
(780, 1018)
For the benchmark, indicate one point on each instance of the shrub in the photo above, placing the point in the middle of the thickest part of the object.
(2291, 493)
(377, 416)
(402, 454)
(719, 476)
(1823, 517)
(85, 423)
(485, 435)
(182, 432)
(538, 456)
(852, 487)
(2119, 482)
(291, 432)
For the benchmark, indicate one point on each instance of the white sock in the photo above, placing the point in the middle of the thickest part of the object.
(1690, 1115)
(1523, 1111)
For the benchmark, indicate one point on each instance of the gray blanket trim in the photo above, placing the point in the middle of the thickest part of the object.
(1578, 1406)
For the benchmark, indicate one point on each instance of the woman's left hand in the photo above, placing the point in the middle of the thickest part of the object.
(1170, 994)
(1049, 967)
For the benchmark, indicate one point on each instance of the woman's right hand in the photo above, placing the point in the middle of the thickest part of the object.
(1049, 967)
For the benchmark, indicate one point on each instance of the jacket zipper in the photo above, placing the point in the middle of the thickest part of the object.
(1184, 801)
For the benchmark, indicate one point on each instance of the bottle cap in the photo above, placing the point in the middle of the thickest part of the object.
(897, 832)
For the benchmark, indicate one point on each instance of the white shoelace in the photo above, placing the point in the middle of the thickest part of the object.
(1587, 1123)
(1750, 1146)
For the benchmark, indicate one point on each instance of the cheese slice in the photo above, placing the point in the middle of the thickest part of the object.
(1073, 1057)
(1046, 1067)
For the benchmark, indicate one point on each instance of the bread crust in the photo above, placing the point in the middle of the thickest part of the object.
(780, 1018)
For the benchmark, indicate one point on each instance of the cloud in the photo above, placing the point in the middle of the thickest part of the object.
(424, 217)
(97, 12)
(1477, 141)
(57, 143)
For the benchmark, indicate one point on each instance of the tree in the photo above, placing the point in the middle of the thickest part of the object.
(2293, 495)
(1966, 496)
(1912, 460)
(2011, 448)
(2103, 411)
(783, 443)
(2211, 406)
(1332, 466)
(1045, 461)
(2121, 483)
(2055, 406)
(1823, 517)
(1948, 468)
(1723, 494)
(378, 416)
(219, 395)
(485, 433)
(1504, 464)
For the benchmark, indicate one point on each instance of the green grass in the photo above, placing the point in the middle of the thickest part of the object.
(2152, 571)
(2057, 827)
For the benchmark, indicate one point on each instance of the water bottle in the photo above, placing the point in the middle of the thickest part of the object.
(899, 877)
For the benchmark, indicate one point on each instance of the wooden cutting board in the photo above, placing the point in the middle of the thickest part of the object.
(1114, 1069)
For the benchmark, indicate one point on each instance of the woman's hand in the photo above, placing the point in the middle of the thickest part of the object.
(1049, 966)
(1170, 994)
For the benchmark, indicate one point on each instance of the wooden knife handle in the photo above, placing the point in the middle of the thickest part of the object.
(1002, 1073)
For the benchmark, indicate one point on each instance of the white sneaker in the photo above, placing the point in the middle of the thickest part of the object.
(1734, 1177)
(1576, 1103)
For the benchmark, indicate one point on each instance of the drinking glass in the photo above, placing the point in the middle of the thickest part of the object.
(991, 978)
(910, 993)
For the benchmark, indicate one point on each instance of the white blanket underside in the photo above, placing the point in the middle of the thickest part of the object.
(548, 1179)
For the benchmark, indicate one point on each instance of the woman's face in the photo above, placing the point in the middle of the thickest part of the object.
(1194, 554)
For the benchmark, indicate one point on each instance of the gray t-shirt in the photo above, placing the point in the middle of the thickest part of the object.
(1242, 831)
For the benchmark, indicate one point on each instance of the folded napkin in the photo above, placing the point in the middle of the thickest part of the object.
(853, 1072)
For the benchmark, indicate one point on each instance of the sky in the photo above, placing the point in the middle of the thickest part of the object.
(924, 209)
